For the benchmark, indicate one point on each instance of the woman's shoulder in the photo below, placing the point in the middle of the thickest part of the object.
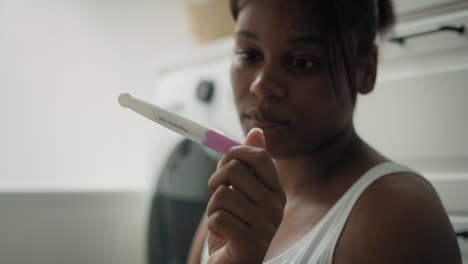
(399, 218)
(404, 187)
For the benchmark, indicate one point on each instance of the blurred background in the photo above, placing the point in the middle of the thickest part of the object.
(81, 177)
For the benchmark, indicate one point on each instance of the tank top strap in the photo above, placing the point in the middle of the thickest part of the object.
(346, 203)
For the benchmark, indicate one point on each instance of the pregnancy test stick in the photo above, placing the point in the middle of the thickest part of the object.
(185, 127)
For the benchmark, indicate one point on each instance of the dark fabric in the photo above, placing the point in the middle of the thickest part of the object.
(179, 202)
(173, 224)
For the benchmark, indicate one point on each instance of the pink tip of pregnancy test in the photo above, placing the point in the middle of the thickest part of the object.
(218, 142)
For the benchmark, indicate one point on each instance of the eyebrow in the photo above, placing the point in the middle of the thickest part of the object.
(296, 40)
(306, 40)
(246, 34)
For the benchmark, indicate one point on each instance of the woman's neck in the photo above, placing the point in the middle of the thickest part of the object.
(317, 173)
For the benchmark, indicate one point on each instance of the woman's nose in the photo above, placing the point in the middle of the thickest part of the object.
(267, 84)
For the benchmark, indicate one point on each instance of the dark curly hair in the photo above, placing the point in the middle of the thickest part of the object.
(349, 29)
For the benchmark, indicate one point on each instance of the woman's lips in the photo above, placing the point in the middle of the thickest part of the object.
(263, 120)
(263, 124)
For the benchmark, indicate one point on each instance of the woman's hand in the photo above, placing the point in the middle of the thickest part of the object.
(247, 204)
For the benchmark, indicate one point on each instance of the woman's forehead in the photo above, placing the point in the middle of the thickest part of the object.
(291, 16)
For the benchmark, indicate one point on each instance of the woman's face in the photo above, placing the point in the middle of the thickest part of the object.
(281, 81)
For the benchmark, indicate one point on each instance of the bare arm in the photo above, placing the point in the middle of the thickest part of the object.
(196, 248)
(398, 219)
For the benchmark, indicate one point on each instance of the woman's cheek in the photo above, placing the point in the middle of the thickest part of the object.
(240, 80)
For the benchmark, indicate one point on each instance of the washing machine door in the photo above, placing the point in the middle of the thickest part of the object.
(179, 202)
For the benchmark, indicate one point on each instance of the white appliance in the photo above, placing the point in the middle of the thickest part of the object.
(196, 87)
(195, 84)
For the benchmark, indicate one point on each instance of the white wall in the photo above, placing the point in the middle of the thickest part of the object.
(74, 165)
(63, 64)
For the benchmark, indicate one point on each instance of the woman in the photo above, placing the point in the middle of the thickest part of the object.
(306, 188)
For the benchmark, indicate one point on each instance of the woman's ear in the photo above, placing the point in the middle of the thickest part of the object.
(367, 73)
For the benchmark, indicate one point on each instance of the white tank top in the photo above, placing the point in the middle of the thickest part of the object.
(318, 246)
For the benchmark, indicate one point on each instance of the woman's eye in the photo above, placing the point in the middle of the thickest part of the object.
(248, 56)
(303, 64)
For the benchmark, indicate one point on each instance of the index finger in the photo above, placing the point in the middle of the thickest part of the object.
(258, 161)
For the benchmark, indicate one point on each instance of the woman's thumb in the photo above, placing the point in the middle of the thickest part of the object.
(255, 138)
